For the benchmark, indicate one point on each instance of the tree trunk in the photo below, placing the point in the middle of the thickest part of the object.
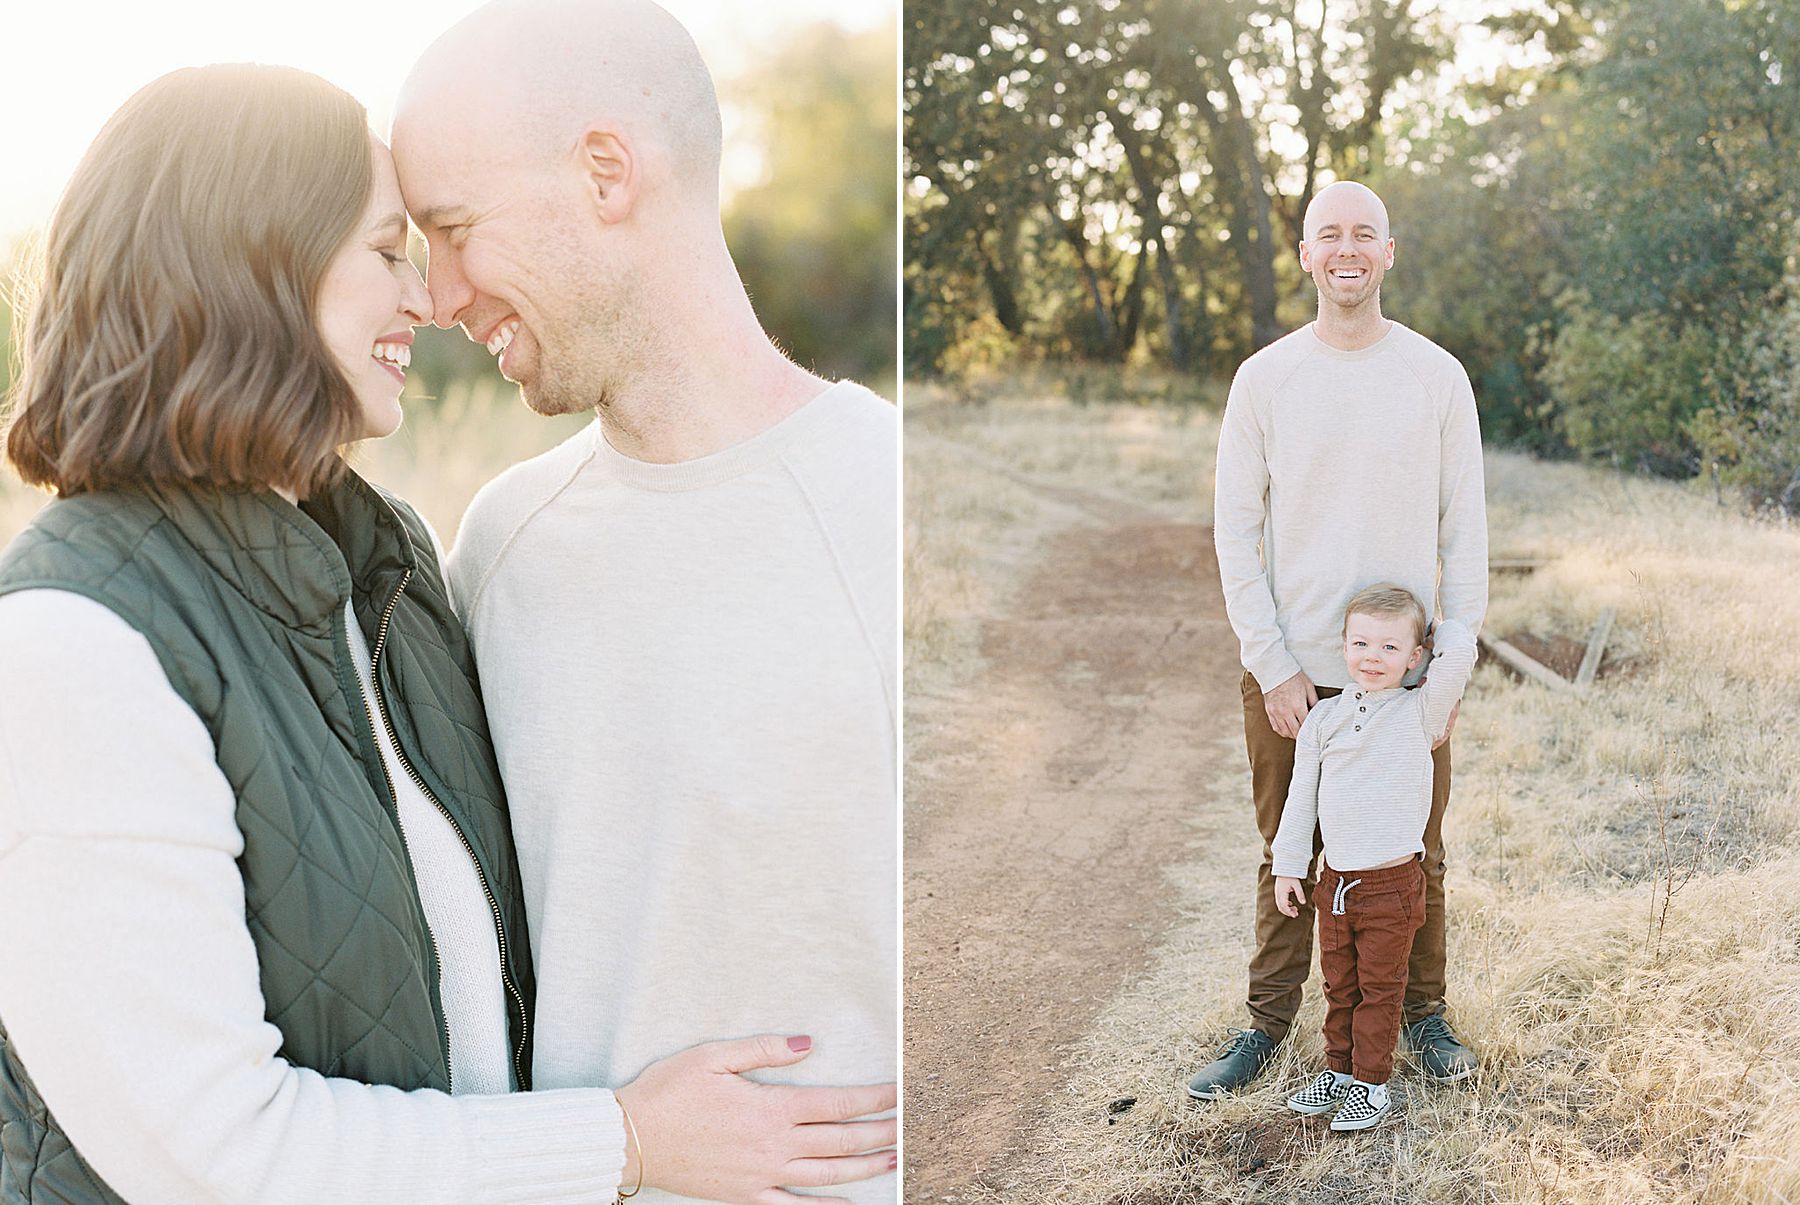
(1310, 100)
(1132, 311)
(1109, 333)
(1247, 214)
(1155, 234)
(1259, 255)
(1000, 289)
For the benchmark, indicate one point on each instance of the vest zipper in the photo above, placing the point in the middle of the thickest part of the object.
(381, 631)
(437, 956)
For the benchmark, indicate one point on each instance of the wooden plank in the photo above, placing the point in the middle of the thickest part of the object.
(1528, 667)
(1596, 648)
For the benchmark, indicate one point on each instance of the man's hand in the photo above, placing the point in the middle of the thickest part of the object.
(706, 1131)
(1288, 704)
(1449, 726)
(1290, 895)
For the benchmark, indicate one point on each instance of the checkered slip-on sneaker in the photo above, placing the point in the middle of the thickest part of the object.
(1364, 1106)
(1322, 1095)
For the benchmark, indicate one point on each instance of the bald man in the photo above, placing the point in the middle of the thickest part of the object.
(1349, 456)
(685, 615)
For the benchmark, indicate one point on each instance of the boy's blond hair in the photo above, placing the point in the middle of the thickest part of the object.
(1388, 601)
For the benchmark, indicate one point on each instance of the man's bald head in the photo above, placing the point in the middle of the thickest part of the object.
(532, 76)
(1346, 204)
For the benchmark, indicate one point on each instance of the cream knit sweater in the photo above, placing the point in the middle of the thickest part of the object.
(1338, 470)
(690, 676)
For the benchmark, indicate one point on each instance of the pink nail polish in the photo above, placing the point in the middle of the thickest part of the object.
(800, 1045)
(893, 1161)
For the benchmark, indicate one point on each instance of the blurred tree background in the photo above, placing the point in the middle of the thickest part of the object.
(1596, 203)
(811, 223)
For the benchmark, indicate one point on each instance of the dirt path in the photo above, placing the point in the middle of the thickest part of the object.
(1043, 803)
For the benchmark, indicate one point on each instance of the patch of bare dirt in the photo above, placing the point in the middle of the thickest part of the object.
(1562, 654)
(1045, 799)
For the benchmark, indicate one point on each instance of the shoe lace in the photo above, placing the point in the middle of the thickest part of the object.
(1242, 1041)
(1432, 1029)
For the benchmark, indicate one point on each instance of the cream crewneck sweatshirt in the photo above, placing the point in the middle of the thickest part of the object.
(129, 980)
(690, 676)
(1338, 470)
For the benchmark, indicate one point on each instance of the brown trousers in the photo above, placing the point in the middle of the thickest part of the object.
(1367, 919)
(1283, 955)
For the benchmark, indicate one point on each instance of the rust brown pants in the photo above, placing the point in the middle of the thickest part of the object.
(1367, 919)
(1283, 955)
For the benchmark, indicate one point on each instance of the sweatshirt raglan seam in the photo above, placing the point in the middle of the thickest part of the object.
(500, 553)
(843, 577)
(1418, 376)
(1301, 361)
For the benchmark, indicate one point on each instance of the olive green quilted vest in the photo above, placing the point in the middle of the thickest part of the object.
(242, 598)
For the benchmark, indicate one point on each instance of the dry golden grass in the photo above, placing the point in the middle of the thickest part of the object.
(445, 451)
(1624, 927)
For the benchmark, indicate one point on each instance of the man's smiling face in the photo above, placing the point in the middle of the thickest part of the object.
(507, 254)
(1347, 249)
(468, 207)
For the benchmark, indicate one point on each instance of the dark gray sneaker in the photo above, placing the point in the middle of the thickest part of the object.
(1435, 1048)
(1239, 1062)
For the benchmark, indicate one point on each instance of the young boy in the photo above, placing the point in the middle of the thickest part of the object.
(1362, 775)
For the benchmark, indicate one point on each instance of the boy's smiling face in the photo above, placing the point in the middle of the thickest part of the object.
(1379, 649)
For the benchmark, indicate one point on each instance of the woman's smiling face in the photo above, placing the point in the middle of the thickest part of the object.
(370, 299)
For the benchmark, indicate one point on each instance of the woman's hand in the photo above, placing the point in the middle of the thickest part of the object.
(706, 1131)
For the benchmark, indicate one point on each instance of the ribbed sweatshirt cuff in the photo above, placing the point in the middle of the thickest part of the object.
(1271, 672)
(562, 1145)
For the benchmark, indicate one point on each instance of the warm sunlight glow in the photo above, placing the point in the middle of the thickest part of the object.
(69, 65)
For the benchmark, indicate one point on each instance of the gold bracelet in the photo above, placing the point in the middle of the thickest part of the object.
(631, 1127)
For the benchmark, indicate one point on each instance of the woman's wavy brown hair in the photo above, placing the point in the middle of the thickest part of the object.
(173, 338)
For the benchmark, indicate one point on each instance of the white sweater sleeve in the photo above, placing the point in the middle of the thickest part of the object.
(1462, 511)
(1292, 848)
(129, 981)
(1447, 674)
(1240, 504)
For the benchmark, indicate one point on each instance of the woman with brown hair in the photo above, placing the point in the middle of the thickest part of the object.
(264, 938)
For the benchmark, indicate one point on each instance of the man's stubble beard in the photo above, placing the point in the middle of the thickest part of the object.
(584, 361)
(1368, 305)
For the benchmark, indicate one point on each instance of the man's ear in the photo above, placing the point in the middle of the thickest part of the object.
(609, 167)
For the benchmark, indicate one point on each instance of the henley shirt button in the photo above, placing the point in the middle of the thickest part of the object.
(1359, 727)
(1362, 709)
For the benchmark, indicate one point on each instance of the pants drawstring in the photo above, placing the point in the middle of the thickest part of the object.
(1341, 896)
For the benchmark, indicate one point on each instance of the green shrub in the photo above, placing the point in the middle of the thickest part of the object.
(1627, 391)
